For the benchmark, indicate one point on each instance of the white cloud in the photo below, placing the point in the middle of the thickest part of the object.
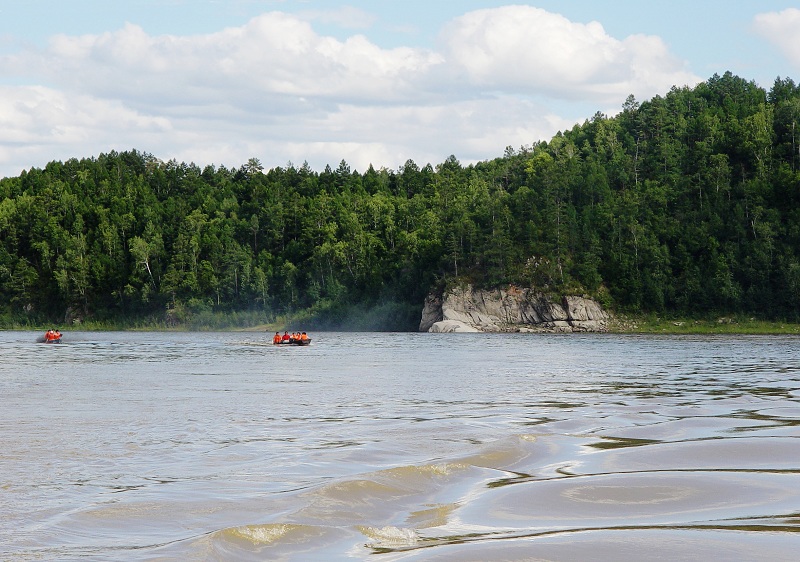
(473, 130)
(529, 50)
(274, 54)
(276, 89)
(781, 29)
(42, 124)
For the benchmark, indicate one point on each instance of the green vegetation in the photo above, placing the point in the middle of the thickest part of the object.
(655, 324)
(682, 205)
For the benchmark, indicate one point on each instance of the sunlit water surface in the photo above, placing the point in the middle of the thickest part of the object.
(220, 446)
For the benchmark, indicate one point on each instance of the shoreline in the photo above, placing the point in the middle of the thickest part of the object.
(626, 327)
(731, 325)
(617, 324)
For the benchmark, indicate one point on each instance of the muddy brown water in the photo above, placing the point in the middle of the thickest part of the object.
(384, 447)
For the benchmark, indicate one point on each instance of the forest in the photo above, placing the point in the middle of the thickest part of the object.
(687, 203)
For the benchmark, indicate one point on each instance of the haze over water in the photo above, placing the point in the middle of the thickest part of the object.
(220, 446)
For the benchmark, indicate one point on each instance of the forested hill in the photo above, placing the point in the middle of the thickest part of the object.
(684, 203)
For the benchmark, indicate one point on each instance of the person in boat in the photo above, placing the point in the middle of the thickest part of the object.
(52, 335)
(286, 337)
(303, 336)
(276, 338)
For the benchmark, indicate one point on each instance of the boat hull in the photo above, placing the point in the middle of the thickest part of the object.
(45, 339)
(294, 342)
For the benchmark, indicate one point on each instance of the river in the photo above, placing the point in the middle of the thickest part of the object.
(399, 446)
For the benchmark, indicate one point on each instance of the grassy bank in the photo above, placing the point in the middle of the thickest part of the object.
(199, 322)
(654, 324)
(389, 318)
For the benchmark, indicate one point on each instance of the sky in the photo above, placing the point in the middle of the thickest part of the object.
(218, 82)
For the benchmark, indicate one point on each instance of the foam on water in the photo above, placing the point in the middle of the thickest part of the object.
(263, 534)
(390, 537)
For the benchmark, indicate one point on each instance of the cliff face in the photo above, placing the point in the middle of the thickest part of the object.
(464, 309)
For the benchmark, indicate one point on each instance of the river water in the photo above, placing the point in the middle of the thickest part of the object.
(387, 447)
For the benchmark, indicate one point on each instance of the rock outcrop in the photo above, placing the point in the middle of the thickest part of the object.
(464, 309)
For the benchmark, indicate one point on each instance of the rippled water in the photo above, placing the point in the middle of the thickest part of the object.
(220, 446)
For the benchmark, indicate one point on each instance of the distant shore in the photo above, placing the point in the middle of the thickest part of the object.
(626, 326)
(619, 324)
(652, 324)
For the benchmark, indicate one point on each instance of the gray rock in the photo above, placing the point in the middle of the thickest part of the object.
(511, 309)
(450, 326)
(431, 313)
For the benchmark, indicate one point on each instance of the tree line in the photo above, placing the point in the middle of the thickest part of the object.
(685, 203)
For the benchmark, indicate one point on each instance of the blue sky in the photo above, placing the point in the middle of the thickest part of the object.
(368, 82)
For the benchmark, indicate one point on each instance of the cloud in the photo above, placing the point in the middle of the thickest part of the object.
(781, 29)
(40, 124)
(523, 49)
(273, 55)
(473, 130)
(276, 89)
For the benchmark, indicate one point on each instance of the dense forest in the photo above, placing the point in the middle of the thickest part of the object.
(683, 204)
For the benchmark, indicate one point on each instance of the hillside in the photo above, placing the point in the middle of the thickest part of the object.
(685, 203)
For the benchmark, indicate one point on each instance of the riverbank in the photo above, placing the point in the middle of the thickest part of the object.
(253, 322)
(653, 324)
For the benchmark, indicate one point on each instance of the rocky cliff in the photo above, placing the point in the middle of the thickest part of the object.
(464, 309)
